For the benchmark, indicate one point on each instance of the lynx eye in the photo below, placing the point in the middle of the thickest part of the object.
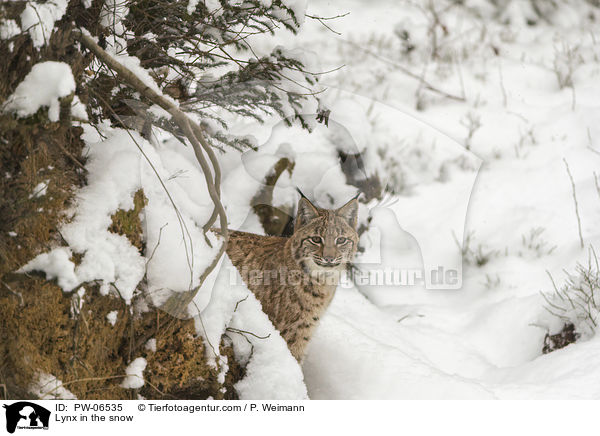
(316, 239)
(341, 240)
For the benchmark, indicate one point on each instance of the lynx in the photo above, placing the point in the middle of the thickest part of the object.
(295, 278)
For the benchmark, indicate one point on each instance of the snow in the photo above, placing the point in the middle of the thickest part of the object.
(77, 301)
(388, 365)
(484, 338)
(177, 251)
(113, 176)
(111, 317)
(213, 6)
(43, 86)
(271, 371)
(477, 186)
(180, 252)
(56, 264)
(428, 361)
(40, 189)
(135, 374)
(78, 109)
(298, 8)
(151, 345)
(8, 29)
(48, 387)
(112, 15)
(39, 18)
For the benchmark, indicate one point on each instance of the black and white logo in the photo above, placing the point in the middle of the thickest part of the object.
(26, 415)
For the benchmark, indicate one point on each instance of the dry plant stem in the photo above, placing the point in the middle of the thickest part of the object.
(575, 200)
(196, 138)
(323, 19)
(502, 88)
(409, 73)
(132, 80)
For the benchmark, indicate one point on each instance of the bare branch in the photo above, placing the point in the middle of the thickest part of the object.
(323, 19)
(178, 303)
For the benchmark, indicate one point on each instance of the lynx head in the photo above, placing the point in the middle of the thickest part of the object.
(324, 240)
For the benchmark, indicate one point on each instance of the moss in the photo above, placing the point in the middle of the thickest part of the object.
(128, 223)
(42, 335)
(89, 355)
(178, 369)
(33, 154)
(33, 312)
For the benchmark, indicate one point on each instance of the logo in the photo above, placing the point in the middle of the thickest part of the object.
(26, 415)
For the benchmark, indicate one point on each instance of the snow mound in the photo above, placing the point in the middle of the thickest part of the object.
(135, 374)
(151, 345)
(111, 317)
(356, 354)
(43, 86)
(56, 264)
(172, 220)
(39, 18)
(48, 387)
(8, 29)
(271, 370)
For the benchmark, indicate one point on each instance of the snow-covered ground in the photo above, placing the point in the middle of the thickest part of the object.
(484, 340)
(484, 172)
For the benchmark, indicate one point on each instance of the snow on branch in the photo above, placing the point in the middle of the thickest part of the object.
(176, 305)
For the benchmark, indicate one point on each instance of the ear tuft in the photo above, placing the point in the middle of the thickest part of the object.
(349, 212)
(306, 212)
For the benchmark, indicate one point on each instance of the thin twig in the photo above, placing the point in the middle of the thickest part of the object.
(502, 88)
(240, 331)
(155, 247)
(241, 301)
(184, 230)
(12, 291)
(70, 156)
(409, 73)
(214, 350)
(323, 19)
(195, 136)
(315, 17)
(575, 201)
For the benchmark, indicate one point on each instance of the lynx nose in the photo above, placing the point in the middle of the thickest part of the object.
(328, 259)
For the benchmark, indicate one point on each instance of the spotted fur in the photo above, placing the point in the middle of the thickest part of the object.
(295, 278)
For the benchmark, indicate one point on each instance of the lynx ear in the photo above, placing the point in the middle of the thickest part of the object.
(306, 212)
(349, 212)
